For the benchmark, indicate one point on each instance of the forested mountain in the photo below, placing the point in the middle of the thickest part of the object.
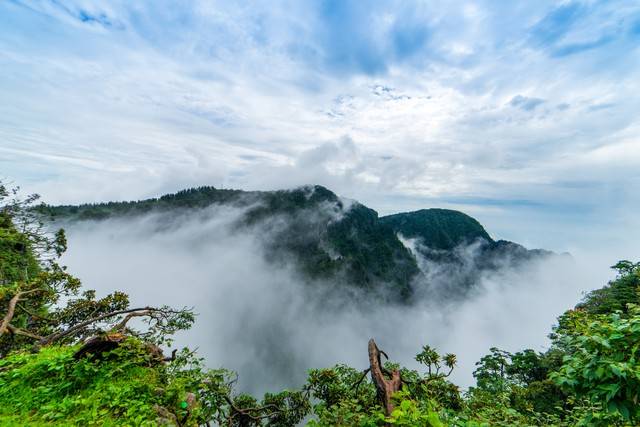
(438, 228)
(329, 237)
(69, 358)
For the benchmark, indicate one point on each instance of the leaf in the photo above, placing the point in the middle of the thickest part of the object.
(624, 410)
(434, 420)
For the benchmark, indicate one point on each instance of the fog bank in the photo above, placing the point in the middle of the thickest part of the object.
(270, 325)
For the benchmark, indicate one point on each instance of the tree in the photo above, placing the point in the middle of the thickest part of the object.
(390, 395)
(492, 369)
(602, 364)
(624, 290)
(33, 285)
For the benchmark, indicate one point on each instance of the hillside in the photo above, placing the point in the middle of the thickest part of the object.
(331, 238)
(442, 229)
(455, 249)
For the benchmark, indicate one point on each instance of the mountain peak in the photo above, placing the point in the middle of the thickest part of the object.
(439, 228)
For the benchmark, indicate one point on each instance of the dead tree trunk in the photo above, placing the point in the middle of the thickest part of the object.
(385, 387)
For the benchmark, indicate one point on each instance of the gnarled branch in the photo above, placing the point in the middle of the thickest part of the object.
(122, 325)
(19, 331)
(58, 335)
(11, 310)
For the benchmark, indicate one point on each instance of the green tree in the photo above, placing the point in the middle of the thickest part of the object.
(43, 303)
(624, 290)
(491, 373)
(603, 365)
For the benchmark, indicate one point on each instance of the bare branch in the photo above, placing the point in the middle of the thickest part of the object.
(11, 310)
(35, 315)
(120, 326)
(19, 331)
(364, 375)
(172, 357)
(56, 336)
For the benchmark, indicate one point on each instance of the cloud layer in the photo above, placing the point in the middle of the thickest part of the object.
(517, 113)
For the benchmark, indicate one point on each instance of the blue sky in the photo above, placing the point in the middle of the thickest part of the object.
(523, 114)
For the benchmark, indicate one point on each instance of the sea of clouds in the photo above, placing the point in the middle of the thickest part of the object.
(270, 325)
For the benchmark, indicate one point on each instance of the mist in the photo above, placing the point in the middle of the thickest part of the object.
(270, 324)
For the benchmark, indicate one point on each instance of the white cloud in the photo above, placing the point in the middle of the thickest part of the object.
(226, 94)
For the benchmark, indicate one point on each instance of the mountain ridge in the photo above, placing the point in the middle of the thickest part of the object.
(329, 237)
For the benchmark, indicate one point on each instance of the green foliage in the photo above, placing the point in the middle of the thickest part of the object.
(345, 396)
(517, 385)
(527, 367)
(30, 280)
(342, 396)
(603, 363)
(330, 386)
(372, 252)
(590, 376)
(52, 387)
(491, 374)
(46, 379)
(409, 412)
(292, 407)
(43, 302)
(347, 412)
(18, 260)
(327, 239)
(618, 293)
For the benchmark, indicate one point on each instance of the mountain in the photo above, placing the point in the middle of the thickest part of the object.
(454, 249)
(442, 229)
(332, 239)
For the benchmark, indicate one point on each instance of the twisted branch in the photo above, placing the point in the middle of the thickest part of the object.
(11, 310)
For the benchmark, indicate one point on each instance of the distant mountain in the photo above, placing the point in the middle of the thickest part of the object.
(442, 229)
(332, 238)
(454, 249)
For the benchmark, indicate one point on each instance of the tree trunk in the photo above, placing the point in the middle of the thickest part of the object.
(384, 387)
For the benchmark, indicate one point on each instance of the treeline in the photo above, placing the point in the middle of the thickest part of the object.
(199, 197)
(70, 358)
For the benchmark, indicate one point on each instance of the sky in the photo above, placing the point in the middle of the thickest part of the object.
(522, 114)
